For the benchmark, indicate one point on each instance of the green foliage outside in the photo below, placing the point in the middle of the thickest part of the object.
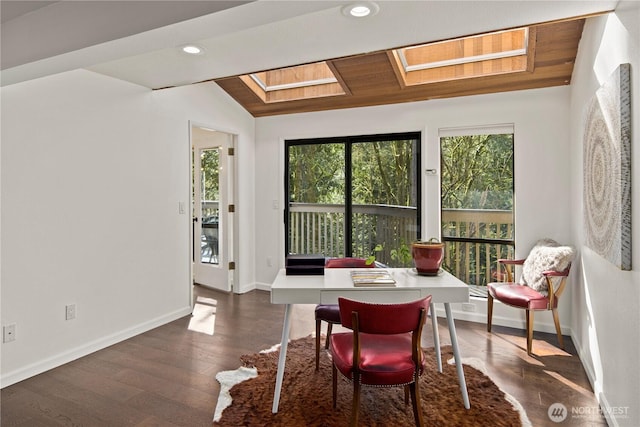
(382, 174)
(209, 184)
(402, 255)
(316, 173)
(477, 174)
(210, 172)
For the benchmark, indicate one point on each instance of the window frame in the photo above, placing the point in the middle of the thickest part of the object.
(348, 142)
(498, 129)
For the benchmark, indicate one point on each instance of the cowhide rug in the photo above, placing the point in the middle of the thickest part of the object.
(246, 395)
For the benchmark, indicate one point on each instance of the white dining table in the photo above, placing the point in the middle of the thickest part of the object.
(337, 282)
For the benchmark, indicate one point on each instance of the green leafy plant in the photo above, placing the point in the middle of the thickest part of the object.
(402, 255)
(372, 258)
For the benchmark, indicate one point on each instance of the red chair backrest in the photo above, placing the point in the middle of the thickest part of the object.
(348, 263)
(383, 318)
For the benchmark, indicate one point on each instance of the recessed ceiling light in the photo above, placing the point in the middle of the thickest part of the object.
(192, 49)
(361, 9)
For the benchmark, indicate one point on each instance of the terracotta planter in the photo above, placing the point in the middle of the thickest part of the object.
(427, 256)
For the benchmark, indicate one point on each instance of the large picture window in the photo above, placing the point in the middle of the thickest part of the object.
(477, 202)
(348, 196)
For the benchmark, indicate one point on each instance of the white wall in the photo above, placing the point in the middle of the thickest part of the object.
(208, 105)
(541, 172)
(93, 170)
(606, 300)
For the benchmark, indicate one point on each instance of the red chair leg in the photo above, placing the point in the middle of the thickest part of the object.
(556, 320)
(334, 384)
(529, 330)
(329, 329)
(356, 401)
(318, 324)
(489, 312)
(417, 406)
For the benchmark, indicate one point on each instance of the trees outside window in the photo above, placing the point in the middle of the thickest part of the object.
(477, 203)
(347, 196)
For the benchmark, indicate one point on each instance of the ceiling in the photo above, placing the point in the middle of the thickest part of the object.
(138, 41)
(374, 79)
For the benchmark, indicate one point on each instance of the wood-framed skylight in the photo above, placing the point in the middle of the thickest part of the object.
(499, 52)
(299, 82)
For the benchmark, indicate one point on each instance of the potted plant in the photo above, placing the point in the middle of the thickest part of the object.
(427, 256)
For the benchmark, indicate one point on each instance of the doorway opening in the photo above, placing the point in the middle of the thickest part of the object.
(212, 185)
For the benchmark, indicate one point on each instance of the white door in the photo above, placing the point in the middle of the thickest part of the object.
(212, 221)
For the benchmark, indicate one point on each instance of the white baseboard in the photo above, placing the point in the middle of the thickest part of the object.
(88, 348)
(263, 286)
(582, 355)
(250, 287)
(606, 408)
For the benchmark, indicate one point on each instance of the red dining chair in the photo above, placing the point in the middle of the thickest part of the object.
(544, 277)
(330, 313)
(382, 350)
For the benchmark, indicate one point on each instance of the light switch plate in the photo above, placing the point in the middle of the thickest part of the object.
(9, 333)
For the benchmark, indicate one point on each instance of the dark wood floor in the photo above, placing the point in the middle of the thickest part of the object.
(166, 377)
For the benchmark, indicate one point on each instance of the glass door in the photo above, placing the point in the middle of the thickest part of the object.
(209, 204)
(210, 207)
(354, 196)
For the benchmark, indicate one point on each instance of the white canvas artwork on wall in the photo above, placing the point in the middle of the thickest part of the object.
(607, 170)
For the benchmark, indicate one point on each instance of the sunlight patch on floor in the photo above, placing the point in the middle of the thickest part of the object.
(203, 317)
(543, 348)
(569, 383)
(540, 348)
(521, 342)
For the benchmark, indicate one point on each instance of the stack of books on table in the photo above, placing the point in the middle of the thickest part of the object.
(372, 277)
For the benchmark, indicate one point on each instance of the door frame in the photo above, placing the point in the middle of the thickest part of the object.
(232, 197)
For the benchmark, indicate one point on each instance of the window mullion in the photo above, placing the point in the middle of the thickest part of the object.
(348, 201)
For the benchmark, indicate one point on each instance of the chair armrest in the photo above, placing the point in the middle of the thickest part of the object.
(508, 263)
(555, 291)
(511, 261)
(553, 273)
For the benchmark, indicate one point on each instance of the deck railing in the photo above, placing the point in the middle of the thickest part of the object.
(319, 228)
(474, 239)
(210, 209)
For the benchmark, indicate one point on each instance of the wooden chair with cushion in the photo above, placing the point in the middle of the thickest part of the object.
(330, 313)
(544, 277)
(382, 350)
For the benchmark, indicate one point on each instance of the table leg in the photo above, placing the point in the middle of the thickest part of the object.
(283, 356)
(436, 336)
(456, 355)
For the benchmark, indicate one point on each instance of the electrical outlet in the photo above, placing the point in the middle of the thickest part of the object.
(70, 312)
(468, 306)
(9, 333)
